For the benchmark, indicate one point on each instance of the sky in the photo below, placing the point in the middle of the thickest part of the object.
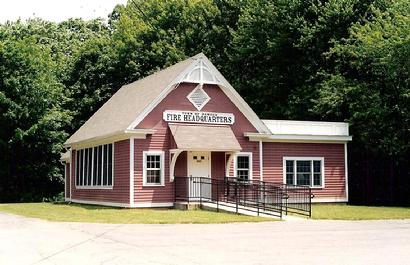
(56, 10)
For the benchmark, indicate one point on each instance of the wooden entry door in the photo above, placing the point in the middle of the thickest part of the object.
(199, 165)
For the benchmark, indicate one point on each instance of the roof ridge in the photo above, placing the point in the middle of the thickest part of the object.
(158, 71)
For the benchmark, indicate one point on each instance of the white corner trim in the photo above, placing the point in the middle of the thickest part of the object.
(261, 160)
(329, 199)
(131, 172)
(346, 175)
(144, 167)
(114, 204)
(235, 162)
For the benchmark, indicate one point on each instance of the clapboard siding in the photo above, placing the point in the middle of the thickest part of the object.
(159, 142)
(120, 193)
(334, 164)
(162, 140)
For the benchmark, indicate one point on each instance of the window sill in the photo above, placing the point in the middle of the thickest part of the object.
(313, 188)
(153, 185)
(94, 187)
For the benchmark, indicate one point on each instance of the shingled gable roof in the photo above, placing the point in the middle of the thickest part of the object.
(126, 104)
(132, 102)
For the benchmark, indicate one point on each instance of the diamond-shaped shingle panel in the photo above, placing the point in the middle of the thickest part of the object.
(198, 97)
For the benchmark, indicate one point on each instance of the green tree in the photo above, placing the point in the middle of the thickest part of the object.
(31, 121)
(279, 48)
(94, 76)
(342, 60)
(143, 37)
(370, 88)
(153, 34)
(35, 60)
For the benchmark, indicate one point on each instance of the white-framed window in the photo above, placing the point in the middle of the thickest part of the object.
(308, 171)
(153, 168)
(95, 167)
(243, 166)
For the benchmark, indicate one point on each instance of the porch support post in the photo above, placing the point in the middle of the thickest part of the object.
(174, 153)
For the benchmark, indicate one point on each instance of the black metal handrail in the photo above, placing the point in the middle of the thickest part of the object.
(296, 198)
(253, 195)
(240, 195)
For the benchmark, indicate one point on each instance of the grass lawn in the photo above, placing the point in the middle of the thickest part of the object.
(101, 214)
(348, 212)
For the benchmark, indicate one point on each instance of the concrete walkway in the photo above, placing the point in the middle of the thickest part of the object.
(33, 241)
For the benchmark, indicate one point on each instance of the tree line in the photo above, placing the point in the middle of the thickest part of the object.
(332, 60)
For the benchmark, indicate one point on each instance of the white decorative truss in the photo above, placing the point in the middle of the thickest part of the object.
(200, 73)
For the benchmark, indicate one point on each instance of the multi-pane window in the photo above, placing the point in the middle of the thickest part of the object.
(317, 173)
(303, 171)
(94, 166)
(153, 168)
(290, 172)
(243, 165)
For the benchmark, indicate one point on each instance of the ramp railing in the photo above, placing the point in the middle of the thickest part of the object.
(253, 196)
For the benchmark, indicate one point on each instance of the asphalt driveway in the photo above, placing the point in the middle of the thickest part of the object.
(32, 241)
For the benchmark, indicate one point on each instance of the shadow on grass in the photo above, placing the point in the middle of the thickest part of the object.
(102, 207)
(87, 206)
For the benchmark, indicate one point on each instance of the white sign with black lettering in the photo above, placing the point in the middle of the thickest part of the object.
(198, 117)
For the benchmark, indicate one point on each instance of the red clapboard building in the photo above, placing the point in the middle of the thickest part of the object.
(188, 121)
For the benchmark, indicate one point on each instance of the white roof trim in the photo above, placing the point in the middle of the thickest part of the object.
(116, 136)
(285, 127)
(223, 84)
(298, 138)
(161, 96)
